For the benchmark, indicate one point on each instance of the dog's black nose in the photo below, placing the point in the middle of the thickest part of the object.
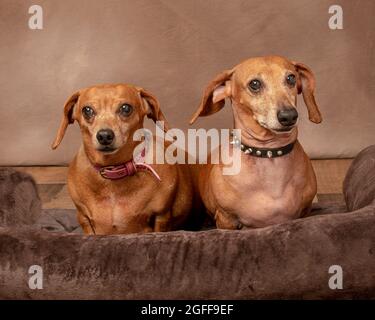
(287, 117)
(105, 136)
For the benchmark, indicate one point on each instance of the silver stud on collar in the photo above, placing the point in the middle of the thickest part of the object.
(258, 153)
(234, 142)
(279, 152)
(269, 154)
(237, 143)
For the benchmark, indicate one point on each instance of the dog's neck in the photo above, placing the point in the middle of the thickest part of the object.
(253, 134)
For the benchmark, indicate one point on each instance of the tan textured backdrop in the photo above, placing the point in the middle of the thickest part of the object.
(174, 48)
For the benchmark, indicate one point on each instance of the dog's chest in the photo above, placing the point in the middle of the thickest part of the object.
(265, 191)
(122, 208)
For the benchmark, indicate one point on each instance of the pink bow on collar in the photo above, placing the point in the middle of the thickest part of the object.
(127, 169)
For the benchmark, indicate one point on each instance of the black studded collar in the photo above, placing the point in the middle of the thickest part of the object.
(263, 152)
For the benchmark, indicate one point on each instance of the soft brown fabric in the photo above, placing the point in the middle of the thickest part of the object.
(59, 220)
(359, 183)
(290, 260)
(173, 48)
(19, 199)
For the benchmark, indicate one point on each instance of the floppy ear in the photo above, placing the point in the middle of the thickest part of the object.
(306, 85)
(214, 96)
(66, 119)
(153, 108)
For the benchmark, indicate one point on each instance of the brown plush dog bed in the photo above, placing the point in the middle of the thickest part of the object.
(289, 260)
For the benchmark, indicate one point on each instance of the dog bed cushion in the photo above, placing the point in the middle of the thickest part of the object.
(289, 260)
(19, 200)
(359, 183)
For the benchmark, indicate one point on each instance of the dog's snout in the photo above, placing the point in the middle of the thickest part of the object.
(287, 116)
(105, 136)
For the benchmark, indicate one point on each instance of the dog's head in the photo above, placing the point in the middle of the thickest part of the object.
(264, 89)
(108, 116)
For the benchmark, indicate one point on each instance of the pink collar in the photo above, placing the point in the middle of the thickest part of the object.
(127, 169)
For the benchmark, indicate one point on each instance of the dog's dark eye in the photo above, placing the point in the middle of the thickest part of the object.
(291, 80)
(255, 85)
(88, 112)
(125, 110)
